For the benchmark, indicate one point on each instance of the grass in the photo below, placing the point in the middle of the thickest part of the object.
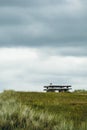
(43, 111)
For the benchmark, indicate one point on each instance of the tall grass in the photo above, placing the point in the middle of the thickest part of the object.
(16, 115)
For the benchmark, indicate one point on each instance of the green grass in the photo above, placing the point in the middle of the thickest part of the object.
(43, 111)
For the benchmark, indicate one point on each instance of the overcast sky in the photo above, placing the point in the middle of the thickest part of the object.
(42, 42)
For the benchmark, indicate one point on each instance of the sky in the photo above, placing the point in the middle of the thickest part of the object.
(43, 42)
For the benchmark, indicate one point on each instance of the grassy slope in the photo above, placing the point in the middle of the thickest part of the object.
(43, 111)
(71, 105)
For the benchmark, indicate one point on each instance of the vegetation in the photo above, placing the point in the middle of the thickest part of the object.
(43, 111)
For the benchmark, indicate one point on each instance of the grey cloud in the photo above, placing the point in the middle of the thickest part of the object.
(13, 16)
(80, 51)
(74, 51)
(57, 29)
(29, 2)
(43, 24)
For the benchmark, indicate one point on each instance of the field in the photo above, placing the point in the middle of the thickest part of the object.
(43, 111)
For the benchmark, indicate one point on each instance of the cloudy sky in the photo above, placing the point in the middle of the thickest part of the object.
(43, 41)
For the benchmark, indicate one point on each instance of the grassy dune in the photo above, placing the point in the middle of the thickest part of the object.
(43, 111)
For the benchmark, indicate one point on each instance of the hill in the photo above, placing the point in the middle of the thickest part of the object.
(43, 111)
